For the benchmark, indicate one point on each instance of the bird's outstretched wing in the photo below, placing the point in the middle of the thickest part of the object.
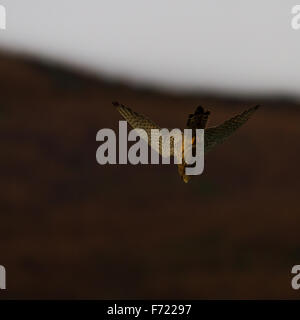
(138, 121)
(217, 135)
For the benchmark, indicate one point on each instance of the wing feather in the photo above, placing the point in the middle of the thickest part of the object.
(216, 135)
(139, 121)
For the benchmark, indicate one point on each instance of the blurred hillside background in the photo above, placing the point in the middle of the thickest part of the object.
(71, 228)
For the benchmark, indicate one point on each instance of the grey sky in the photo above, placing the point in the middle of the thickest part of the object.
(230, 46)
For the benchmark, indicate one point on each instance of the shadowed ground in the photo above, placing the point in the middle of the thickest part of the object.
(71, 228)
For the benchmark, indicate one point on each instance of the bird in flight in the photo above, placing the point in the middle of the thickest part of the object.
(197, 120)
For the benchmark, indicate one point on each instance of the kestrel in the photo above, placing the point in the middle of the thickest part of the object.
(197, 120)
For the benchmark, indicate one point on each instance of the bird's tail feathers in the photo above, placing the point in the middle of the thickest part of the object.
(198, 119)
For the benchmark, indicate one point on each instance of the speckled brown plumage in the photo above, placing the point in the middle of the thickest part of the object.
(198, 120)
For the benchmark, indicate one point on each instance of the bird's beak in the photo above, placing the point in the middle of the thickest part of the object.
(186, 179)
